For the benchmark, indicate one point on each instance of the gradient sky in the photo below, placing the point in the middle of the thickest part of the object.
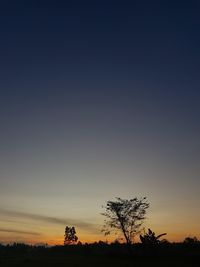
(98, 99)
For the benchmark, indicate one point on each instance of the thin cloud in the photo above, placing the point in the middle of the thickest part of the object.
(48, 219)
(7, 230)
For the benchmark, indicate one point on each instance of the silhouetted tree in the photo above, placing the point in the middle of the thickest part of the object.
(191, 240)
(126, 216)
(150, 238)
(70, 235)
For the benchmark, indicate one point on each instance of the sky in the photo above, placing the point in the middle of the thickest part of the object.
(98, 99)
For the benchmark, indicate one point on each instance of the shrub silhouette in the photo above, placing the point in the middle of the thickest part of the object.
(150, 238)
(191, 240)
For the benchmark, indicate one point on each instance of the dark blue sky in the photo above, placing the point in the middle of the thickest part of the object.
(95, 94)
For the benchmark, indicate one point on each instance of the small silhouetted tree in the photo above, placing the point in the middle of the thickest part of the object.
(150, 238)
(125, 215)
(70, 235)
(191, 240)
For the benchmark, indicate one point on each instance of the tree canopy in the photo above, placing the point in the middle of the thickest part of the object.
(125, 215)
(70, 235)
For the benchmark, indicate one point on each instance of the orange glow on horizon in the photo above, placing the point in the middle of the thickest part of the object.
(58, 240)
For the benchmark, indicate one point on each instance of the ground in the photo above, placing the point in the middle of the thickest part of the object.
(96, 256)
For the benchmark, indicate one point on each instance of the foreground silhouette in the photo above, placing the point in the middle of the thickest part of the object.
(150, 238)
(185, 254)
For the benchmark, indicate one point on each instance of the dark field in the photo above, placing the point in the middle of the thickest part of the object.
(100, 255)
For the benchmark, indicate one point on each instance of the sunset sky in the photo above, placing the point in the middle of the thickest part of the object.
(98, 99)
